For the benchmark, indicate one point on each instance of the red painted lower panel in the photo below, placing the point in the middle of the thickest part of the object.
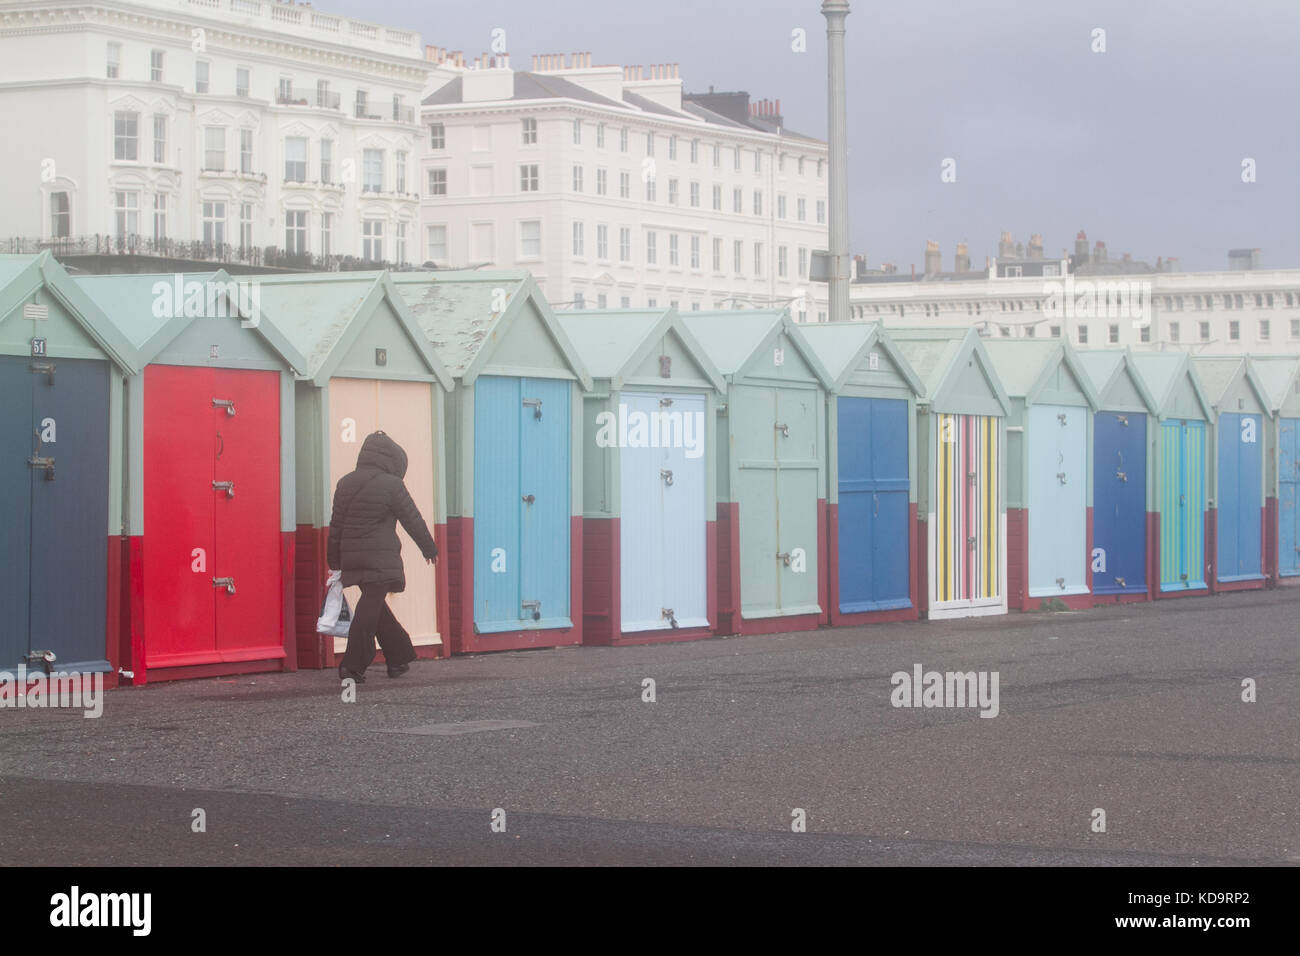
(288, 632)
(779, 625)
(1212, 548)
(728, 575)
(134, 656)
(1268, 540)
(1018, 559)
(309, 594)
(601, 569)
(922, 569)
(113, 610)
(823, 566)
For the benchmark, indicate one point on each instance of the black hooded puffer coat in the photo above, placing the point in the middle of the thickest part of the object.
(368, 503)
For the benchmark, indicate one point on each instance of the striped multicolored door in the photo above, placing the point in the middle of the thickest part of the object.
(1182, 505)
(967, 561)
(1288, 497)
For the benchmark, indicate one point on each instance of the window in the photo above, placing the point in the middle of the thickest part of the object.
(737, 200)
(736, 163)
(114, 61)
(372, 240)
(401, 171)
(758, 202)
(1082, 334)
(651, 249)
(1145, 333)
(1268, 299)
(650, 143)
(401, 243)
(327, 161)
(780, 207)
(801, 209)
(601, 300)
(650, 189)
(821, 212)
(326, 233)
(156, 66)
(672, 192)
(577, 132)
(159, 217)
(695, 151)
(529, 131)
(295, 159)
(695, 252)
(246, 225)
(622, 140)
(717, 199)
(800, 165)
(737, 256)
(624, 244)
(438, 136)
(399, 111)
(579, 300)
(126, 131)
(1173, 331)
(286, 90)
(214, 148)
(241, 81)
(602, 241)
(1259, 300)
(695, 195)
(758, 258)
(201, 71)
(1237, 303)
(214, 223)
(372, 176)
(758, 161)
(528, 178)
(600, 135)
(782, 261)
(602, 182)
(673, 258)
(438, 182)
(1263, 330)
(717, 156)
(652, 303)
(295, 232)
(246, 150)
(625, 302)
(436, 244)
(530, 239)
(1234, 331)
(1295, 328)
(1205, 331)
(672, 147)
(624, 185)
(803, 262)
(821, 165)
(717, 256)
(159, 138)
(577, 177)
(60, 216)
(1112, 334)
(1054, 331)
(579, 239)
(323, 94)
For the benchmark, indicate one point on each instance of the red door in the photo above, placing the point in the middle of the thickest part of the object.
(212, 516)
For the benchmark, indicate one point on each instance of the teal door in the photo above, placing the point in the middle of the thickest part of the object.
(1182, 505)
(1288, 497)
(1240, 503)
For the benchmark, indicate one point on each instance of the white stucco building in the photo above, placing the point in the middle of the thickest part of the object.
(236, 124)
(617, 188)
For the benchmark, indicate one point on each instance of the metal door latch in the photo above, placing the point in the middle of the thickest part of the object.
(1060, 416)
(227, 583)
(227, 486)
(1120, 581)
(1122, 419)
(783, 429)
(667, 475)
(970, 542)
(535, 607)
(42, 659)
(37, 461)
(664, 402)
(529, 499)
(667, 612)
(1060, 583)
(1122, 476)
(1060, 476)
(225, 403)
(47, 368)
(1183, 576)
(783, 557)
(536, 405)
(972, 478)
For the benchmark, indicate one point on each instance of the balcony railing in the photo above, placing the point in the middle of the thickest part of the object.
(300, 96)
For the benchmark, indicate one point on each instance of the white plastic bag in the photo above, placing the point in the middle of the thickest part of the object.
(335, 617)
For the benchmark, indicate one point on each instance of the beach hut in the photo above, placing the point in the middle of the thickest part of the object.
(649, 484)
(211, 462)
(369, 368)
(1123, 524)
(961, 436)
(61, 370)
(1236, 485)
(772, 487)
(514, 458)
(1280, 376)
(1180, 464)
(871, 466)
(1049, 436)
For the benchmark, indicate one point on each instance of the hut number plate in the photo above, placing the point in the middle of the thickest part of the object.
(38, 348)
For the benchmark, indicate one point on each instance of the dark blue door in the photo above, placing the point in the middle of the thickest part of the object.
(874, 557)
(16, 446)
(1119, 517)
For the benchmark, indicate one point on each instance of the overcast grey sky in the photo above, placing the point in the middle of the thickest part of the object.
(1141, 145)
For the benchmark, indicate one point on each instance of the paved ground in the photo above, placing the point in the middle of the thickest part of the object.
(1136, 710)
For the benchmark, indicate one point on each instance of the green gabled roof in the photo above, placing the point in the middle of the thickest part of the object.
(22, 276)
(730, 337)
(1025, 366)
(1220, 373)
(842, 345)
(613, 342)
(1160, 371)
(455, 311)
(1105, 366)
(1277, 374)
(323, 313)
(935, 353)
(130, 301)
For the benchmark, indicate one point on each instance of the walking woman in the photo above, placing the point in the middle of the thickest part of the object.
(363, 544)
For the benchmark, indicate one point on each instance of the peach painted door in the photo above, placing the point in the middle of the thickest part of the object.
(405, 411)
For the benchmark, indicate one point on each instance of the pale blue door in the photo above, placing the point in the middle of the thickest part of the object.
(1057, 484)
(1288, 497)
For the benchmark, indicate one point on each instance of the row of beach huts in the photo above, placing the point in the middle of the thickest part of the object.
(169, 447)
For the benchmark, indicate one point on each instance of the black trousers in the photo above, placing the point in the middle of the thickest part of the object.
(371, 619)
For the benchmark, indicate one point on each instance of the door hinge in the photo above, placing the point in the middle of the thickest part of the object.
(529, 499)
(667, 475)
(1122, 476)
(1060, 476)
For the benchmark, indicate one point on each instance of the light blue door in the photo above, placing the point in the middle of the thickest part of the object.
(1288, 497)
(1057, 485)
(1237, 550)
(521, 503)
(662, 526)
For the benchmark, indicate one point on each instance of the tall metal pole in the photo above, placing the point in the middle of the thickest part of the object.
(835, 12)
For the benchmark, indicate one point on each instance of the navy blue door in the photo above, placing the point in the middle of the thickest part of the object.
(16, 446)
(1119, 503)
(874, 556)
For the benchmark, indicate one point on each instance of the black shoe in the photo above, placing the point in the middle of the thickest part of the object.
(344, 674)
(397, 670)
